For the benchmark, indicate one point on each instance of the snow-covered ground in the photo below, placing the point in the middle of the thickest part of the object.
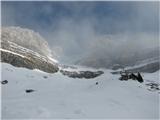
(58, 96)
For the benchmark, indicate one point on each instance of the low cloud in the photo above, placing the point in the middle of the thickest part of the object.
(90, 30)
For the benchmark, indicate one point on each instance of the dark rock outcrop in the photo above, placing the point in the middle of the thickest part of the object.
(82, 74)
(22, 47)
(30, 63)
(126, 76)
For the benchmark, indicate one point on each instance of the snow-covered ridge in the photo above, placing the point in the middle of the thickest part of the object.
(25, 48)
(144, 62)
(22, 57)
(23, 41)
(147, 66)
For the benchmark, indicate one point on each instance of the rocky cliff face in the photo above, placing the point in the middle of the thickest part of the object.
(19, 56)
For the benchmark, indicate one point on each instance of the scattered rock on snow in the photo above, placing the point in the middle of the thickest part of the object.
(4, 81)
(153, 86)
(96, 83)
(127, 75)
(29, 90)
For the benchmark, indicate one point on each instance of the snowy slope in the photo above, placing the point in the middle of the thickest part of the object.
(58, 96)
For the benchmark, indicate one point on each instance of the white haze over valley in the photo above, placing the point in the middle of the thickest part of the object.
(80, 40)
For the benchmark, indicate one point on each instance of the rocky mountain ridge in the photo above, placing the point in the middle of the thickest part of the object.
(22, 57)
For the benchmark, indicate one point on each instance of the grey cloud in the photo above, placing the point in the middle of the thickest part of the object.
(82, 32)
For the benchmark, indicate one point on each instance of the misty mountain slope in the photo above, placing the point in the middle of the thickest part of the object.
(150, 65)
(58, 96)
(145, 61)
(26, 38)
(18, 49)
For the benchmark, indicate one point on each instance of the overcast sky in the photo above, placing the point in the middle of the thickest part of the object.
(77, 29)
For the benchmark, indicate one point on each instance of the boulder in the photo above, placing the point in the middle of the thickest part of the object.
(4, 82)
(29, 90)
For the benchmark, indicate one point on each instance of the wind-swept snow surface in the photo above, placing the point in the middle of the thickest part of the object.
(58, 96)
